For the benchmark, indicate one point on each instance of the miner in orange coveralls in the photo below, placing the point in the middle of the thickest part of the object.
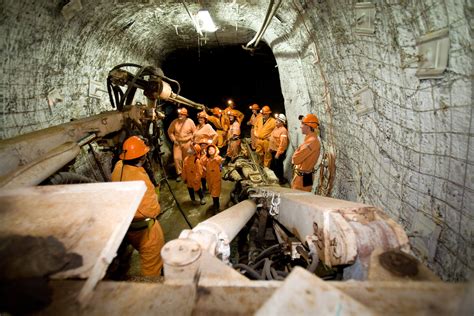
(306, 155)
(221, 123)
(145, 233)
(213, 174)
(253, 119)
(192, 172)
(233, 135)
(278, 146)
(204, 134)
(231, 106)
(181, 133)
(263, 129)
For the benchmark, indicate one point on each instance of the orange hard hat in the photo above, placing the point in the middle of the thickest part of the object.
(183, 111)
(254, 107)
(216, 111)
(232, 113)
(214, 146)
(202, 114)
(266, 109)
(311, 120)
(133, 147)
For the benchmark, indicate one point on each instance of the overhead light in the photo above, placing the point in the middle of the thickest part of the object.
(204, 22)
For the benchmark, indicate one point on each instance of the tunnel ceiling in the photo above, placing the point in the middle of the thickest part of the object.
(163, 26)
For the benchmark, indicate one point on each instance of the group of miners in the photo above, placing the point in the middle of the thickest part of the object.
(197, 159)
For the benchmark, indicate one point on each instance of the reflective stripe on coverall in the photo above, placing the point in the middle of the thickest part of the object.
(263, 131)
(181, 134)
(222, 125)
(234, 142)
(304, 159)
(213, 175)
(148, 242)
(192, 172)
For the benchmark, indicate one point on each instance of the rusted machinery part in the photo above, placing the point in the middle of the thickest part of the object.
(327, 174)
(399, 263)
(69, 178)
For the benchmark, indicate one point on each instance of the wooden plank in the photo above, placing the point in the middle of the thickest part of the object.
(305, 294)
(235, 298)
(89, 219)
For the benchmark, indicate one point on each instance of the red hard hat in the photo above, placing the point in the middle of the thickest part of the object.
(183, 111)
(133, 147)
(311, 120)
(266, 109)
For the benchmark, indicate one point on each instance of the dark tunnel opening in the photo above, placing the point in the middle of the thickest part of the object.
(213, 75)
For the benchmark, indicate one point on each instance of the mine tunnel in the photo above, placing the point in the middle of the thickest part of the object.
(391, 194)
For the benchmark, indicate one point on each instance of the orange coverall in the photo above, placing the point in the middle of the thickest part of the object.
(205, 135)
(192, 172)
(278, 145)
(181, 134)
(240, 116)
(222, 125)
(253, 138)
(234, 142)
(262, 132)
(213, 175)
(304, 159)
(148, 242)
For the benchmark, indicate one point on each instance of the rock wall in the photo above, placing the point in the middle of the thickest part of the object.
(412, 153)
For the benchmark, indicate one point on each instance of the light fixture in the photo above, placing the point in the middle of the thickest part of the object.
(204, 22)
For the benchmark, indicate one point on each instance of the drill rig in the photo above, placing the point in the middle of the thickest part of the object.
(286, 235)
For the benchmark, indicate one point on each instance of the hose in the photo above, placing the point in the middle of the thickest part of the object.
(267, 15)
(314, 262)
(267, 252)
(69, 178)
(251, 272)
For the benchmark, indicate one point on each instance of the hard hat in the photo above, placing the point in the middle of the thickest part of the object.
(232, 113)
(214, 146)
(254, 107)
(281, 117)
(197, 148)
(183, 111)
(311, 120)
(266, 109)
(202, 114)
(133, 147)
(216, 111)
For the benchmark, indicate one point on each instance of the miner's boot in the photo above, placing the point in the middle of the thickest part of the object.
(201, 196)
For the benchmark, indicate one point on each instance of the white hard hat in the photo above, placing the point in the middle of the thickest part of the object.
(281, 117)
